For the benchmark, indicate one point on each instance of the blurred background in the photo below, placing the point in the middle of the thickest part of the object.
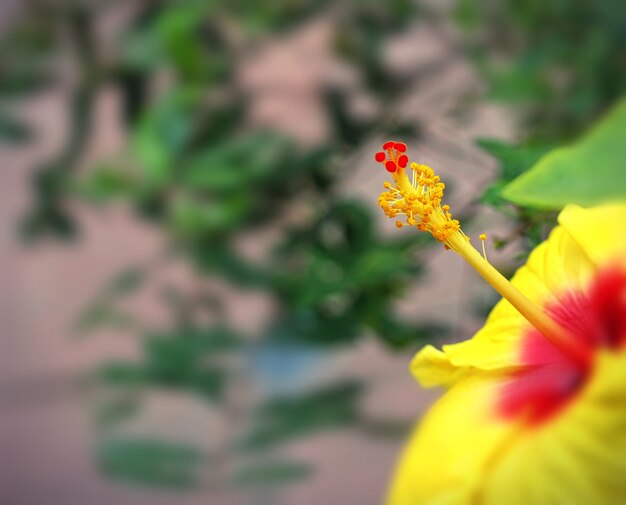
(200, 300)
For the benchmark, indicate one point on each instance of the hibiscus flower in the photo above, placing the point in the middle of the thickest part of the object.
(535, 407)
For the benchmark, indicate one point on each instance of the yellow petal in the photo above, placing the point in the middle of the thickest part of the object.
(445, 460)
(433, 368)
(560, 264)
(600, 231)
(465, 453)
(576, 458)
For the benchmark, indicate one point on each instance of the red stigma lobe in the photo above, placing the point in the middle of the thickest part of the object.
(393, 160)
(391, 166)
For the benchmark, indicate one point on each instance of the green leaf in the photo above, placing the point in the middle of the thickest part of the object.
(181, 360)
(514, 159)
(194, 341)
(105, 184)
(191, 217)
(14, 131)
(23, 81)
(241, 162)
(48, 219)
(589, 172)
(273, 473)
(284, 419)
(230, 265)
(126, 282)
(102, 315)
(103, 312)
(121, 373)
(163, 133)
(150, 462)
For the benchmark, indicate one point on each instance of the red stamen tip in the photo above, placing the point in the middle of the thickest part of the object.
(400, 147)
(391, 166)
(403, 161)
(388, 145)
(380, 157)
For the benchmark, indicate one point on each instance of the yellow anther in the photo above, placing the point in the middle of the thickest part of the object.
(482, 238)
(399, 224)
(420, 201)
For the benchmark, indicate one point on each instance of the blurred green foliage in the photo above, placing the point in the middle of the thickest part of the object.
(562, 60)
(561, 65)
(284, 419)
(587, 173)
(193, 168)
(271, 473)
(152, 462)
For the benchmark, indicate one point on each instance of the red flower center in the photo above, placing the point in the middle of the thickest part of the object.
(548, 379)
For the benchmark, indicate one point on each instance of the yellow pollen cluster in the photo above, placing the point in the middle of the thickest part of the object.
(419, 201)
